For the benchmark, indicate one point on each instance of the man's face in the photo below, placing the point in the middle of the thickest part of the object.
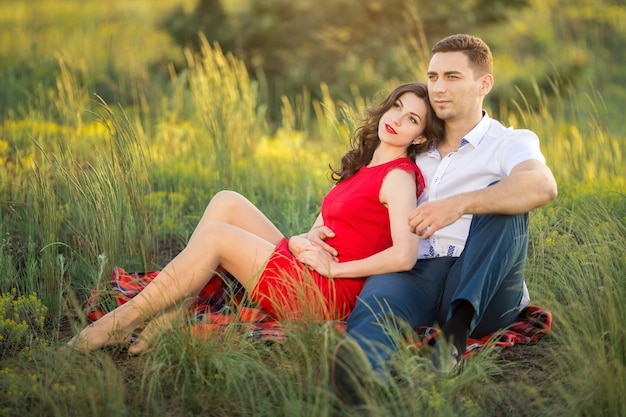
(452, 87)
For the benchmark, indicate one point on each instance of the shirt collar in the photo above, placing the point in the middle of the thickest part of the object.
(474, 136)
(479, 131)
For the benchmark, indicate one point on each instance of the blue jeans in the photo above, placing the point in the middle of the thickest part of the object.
(489, 274)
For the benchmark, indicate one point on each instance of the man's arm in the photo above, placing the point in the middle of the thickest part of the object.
(531, 184)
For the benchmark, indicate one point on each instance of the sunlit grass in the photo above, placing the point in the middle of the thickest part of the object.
(109, 44)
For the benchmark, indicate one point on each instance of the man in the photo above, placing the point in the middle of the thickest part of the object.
(482, 180)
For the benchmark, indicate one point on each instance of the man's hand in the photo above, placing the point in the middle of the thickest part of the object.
(431, 216)
(318, 236)
(529, 185)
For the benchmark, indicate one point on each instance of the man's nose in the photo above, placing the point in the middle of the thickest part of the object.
(438, 85)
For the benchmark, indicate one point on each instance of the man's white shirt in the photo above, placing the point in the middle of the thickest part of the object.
(486, 154)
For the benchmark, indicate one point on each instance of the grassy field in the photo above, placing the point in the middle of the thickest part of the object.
(108, 162)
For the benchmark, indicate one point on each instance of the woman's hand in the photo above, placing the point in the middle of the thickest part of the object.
(317, 258)
(318, 236)
(298, 243)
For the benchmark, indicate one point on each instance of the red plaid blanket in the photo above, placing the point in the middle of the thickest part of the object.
(221, 305)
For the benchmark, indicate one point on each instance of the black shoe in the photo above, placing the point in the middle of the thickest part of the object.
(351, 374)
(445, 358)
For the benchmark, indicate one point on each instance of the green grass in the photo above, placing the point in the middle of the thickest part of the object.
(87, 183)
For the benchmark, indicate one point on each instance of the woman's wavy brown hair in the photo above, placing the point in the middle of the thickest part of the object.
(365, 139)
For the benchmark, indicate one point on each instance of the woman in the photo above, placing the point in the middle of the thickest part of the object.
(376, 188)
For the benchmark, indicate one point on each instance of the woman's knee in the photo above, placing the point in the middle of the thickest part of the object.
(223, 205)
(225, 199)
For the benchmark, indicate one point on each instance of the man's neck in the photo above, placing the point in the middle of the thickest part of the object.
(457, 129)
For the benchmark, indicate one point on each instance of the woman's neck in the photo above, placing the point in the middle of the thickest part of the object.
(382, 156)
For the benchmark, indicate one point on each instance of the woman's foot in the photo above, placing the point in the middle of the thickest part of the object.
(159, 325)
(104, 332)
(145, 340)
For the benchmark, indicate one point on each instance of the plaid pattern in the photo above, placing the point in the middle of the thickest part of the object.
(531, 325)
(220, 306)
(217, 295)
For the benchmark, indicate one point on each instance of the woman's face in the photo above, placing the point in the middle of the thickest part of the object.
(404, 123)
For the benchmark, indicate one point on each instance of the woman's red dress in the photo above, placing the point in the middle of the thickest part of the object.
(352, 209)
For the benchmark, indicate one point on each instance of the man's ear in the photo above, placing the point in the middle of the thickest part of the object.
(486, 83)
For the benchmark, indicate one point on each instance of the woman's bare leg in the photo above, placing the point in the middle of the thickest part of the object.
(217, 244)
(233, 208)
(159, 324)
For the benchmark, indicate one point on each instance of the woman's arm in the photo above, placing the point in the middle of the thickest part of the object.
(398, 194)
(317, 235)
(298, 242)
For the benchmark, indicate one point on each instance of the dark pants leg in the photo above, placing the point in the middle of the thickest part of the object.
(488, 274)
(389, 302)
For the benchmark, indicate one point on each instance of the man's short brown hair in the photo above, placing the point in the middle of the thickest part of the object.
(476, 50)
